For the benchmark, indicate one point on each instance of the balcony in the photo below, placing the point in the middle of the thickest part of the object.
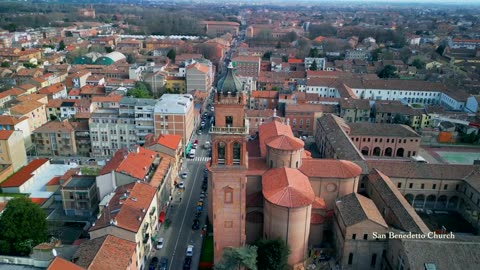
(229, 130)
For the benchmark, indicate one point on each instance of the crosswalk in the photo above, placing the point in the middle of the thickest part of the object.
(200, 159)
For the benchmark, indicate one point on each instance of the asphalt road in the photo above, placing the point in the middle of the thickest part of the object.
(180, 233)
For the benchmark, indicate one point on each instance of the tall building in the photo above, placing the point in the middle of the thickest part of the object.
(229, 165)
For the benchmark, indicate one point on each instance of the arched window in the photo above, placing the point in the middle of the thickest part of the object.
(221, 152)
(237, 153)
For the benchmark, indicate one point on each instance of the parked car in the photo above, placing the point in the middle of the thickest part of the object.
(196, 224)
(184, 175)
(199, 208)
(163, 263)
(189, 251)
(199, 131)
(153, 263)
(181, 185)
(198, 214)
(160, 243)
(187, 263)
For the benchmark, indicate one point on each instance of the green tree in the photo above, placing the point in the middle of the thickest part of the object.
(267, 55)
(400, 119)
(234, 258)
(108, 49)
(141, 90)
(313, 52)
(388, 71)
(131, 58)
(172, 54)
(23, 225)
(61, 45)
(272, 254)
(5, 64)
(314, 66)
(418, 63)
(376, 54)
(440, 49)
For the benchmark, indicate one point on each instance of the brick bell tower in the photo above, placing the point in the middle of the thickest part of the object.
(229, 165)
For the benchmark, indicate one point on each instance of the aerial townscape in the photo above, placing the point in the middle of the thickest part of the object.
(239, 135)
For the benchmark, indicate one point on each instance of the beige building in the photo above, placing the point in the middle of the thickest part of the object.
(219, 28)
(9, 122)
(34, 110)
(355, 110)
(175, 114)
(12, 149)
(199, 76)
(56, 138)
(131, 214)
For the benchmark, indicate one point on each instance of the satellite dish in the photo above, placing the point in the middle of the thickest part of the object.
(54, 252)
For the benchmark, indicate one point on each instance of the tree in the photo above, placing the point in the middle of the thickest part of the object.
(272, 254)
(131, 58)
(441, 49)
(313, 52)
(376, 53)
(5, 64)
(326, 30)
(234, 258)
(314, 66)
(108, 49)
(418, 63)
(141, 90)
(61, 45)
(400, 119)
(172, 54)
(23, 225)
(388, 71)
(267, 55)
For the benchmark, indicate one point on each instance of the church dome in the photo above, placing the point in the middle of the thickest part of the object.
(230, 82)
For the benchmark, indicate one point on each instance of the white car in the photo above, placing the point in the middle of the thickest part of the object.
(160, 243)
(181, 185)
(184, 175)
(212, 108)
(190, 251)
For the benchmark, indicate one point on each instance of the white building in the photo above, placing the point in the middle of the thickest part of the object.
(320, 62)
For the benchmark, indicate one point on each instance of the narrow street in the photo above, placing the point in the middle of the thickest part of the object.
(182, 211)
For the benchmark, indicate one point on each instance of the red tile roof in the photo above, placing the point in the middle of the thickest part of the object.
(317, 219)
(330, 168)
(60, 263)
(115, 253)
(284, 142)
(20, 177)
(168, 140)
(5, 134)
(54, 181)
(131, 163)
(272, 129)
(52, 89)
(39, 201)
(295, 61)
(287, 187)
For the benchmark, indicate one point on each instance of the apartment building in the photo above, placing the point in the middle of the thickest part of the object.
(12, 149)
(248, 66)
(79, 196)
(34, 110)
(56, 138)
(218, 28)
(199, 77)
(142, 110)
(9, 122)
(174, 114)
(319, 61)
(301, 117)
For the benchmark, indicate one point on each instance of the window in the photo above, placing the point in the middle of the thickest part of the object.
(422, 186)
(445, 187)
(229, 121)
(410, 185)
(434, 186)
(350, 258)
(399, 185)
(228, 195)
(374, 259)
(237, 152)
(221, 153)
(365, 236)
(457, 187)
(354, 236)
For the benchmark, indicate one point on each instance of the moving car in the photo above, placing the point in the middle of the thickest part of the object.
(163, 263)
(160, 243)
(189, 251)
(153, 263)
(187, 263)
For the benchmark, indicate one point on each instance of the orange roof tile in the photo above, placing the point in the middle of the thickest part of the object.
(12, 92)
(26, 107)
(110, 98)
(39, 201)
(330, 168)
(60, 263)
(9, 120)
(319, 203)
(54, 181)
(20, 177)
(5, 134)
(283, 142)
(168, 140)
(114, 254)
(287, 187)
(130, 162)
(272, 129)
(295, 61)
(34, 97)
(52, 89)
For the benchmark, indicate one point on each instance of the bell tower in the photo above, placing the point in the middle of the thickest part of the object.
(229, 165)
